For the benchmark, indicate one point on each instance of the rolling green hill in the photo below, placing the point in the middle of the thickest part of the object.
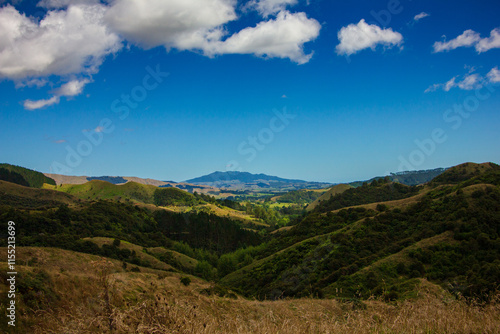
(335, 190)
(409, 178)
(97, 189)
(300, 197)
(378, 191)
(381, 239)
(450, 235)
(21, 197)
(135, 192)
(24, 176)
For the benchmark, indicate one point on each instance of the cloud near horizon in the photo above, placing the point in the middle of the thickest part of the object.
(356, 37)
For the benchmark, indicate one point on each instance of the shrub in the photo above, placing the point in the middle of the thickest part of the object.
(185, 280)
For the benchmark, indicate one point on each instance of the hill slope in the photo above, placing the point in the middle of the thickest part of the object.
(24, 176)
(66, 292)
(335, 190)
(22, 197)
(341, 254)
(409, 178)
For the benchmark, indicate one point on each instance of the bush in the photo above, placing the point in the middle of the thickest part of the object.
(185, 280)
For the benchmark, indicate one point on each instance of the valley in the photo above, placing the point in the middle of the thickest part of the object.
(135, 255)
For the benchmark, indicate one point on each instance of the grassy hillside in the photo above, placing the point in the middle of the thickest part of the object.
(378, 191)
(24, 176)
(97, 189)
(464, 172)
(380, 258)
(335, 190)
(449, 235)
(20, 197)
(131, 191)
(409, 178)
(68, 292)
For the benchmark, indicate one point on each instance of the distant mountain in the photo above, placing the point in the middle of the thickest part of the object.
(239, 176)
(119, 180)
(110, 179)
(248, 181)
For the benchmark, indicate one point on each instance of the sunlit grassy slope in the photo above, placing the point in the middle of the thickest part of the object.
(81, 293)
(337, 189)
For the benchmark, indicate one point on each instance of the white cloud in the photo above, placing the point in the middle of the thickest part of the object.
(420, 16)
(183, 24)
(32, 105)
(270, 7)
(467, 39)
(37, 82)
(494, 75)
(357, 37)
(283, 37)
(50, 4)
(493, 42)
(69, 89)
(72, 88)
(469, 81)
(75, 36)
(199, 25)
(471, 38)
(65, 42)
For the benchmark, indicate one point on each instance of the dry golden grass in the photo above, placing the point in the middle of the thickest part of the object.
(97, 296)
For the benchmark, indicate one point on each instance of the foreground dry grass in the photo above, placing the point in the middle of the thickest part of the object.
(198, 314)
(98, 296)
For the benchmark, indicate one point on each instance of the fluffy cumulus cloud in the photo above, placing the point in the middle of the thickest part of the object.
(469, 81)
(492, 42)
(494, 75)
(357, 37)
(470, 38)
(270, 7)
(182, 24)
(74, 37)
(65, 42)
(467, 39)
(199, 25)
(283, 37)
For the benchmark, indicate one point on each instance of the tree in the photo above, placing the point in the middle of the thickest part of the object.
(226, 265)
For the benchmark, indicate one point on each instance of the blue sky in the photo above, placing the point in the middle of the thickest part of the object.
(317, 90)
